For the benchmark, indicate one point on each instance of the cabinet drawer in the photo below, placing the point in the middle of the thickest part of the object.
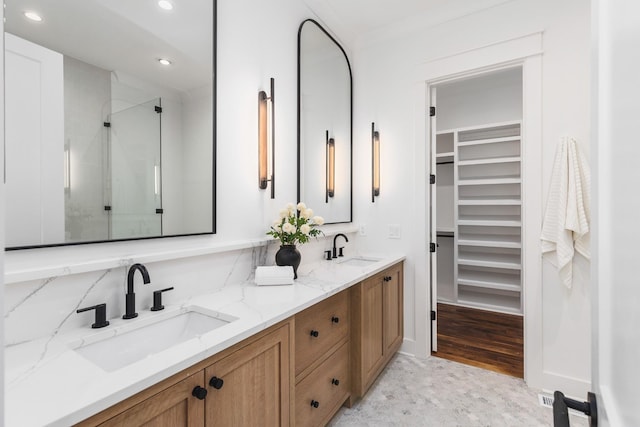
(320, 327)
(320, 386)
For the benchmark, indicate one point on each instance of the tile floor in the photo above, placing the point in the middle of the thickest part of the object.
(441, 393)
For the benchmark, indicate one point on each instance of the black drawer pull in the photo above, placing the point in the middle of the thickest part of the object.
(314, 334)
(199, 392)
(335, 381)
(315, 403)
(216, 382)
(335, 319)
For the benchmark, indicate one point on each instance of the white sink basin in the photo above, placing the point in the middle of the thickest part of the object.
(359, 261)
(124, 345)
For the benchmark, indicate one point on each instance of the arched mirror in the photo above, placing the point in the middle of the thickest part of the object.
(324, 124)
(110, 120)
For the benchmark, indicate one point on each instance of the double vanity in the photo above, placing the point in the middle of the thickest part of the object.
(243, 355)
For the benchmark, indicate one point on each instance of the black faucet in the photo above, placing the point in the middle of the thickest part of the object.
(130, 298)
(334, 250)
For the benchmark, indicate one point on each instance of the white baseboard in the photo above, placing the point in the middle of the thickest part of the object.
(574, 388)
(408, 347)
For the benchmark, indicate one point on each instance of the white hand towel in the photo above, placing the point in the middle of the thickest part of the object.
(567, 216)
(274, 275)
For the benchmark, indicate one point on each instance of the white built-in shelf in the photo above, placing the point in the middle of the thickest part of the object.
(490, 241)
(490, 201)
(488, 141)
(481, 259)
(491, 220)
(489, 161)
(444, 157)
(500, 303)
(490, 181)
(445, 230)
(490, 280)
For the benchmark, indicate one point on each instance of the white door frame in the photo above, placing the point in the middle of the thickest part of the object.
(524, 51)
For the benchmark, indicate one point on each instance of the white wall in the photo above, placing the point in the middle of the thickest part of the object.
(384, 93)
(2, 208)
(615, 153)
(197, 160)
(484, 99)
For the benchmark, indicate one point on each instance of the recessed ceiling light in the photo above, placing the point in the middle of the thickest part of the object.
(33, 16)
(165, 4)
(164, 61)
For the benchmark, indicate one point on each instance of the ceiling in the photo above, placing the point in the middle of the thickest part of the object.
(353, 20)
(124, 36)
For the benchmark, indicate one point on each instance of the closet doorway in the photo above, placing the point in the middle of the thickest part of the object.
(476, 220)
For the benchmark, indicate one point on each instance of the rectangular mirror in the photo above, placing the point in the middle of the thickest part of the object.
(110, 120)
(324, 124)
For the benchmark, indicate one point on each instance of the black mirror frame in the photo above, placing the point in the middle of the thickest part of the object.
(350, 118)
(213, 169)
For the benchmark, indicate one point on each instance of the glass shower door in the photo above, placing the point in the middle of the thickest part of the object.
(136, 193)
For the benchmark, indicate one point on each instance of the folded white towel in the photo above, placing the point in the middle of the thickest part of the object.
(567, 216)
(274, 275)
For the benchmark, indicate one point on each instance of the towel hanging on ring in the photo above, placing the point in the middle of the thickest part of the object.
(567, 217)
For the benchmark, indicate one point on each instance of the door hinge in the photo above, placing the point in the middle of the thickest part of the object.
(107, 208)
(432, 179)
(158, 109)
(159, 211)
(432, 111)
(433, 315)
(106, 124)
(432, 247)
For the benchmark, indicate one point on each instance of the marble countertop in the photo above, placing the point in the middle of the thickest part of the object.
(48, 383)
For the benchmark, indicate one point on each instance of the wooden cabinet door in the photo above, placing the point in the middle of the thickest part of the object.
(366, 334)
(256, 384)
(393, 333)
(172, 407)
(372, 346)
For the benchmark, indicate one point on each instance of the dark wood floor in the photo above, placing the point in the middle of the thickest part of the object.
(481, 338)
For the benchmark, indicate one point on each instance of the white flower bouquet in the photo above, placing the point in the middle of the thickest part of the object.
(296, 224)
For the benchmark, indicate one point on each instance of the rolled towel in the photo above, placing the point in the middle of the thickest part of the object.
(274, 275)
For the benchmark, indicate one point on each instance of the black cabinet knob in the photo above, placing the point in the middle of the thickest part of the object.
(315, 403)
(335, 381)
(216, 382)
(199, 392)
(387, 278)
(335, 319)
(314, 334)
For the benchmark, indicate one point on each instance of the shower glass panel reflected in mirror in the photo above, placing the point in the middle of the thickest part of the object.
(135, 171)
(324, 124)
(104, 141)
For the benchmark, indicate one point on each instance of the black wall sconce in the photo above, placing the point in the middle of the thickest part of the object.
(375, 163)
(331, 167)
(263, 149)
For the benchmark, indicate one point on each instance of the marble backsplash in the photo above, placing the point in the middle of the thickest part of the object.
(43, 308)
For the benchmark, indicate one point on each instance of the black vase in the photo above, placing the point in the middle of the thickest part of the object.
(289, 255)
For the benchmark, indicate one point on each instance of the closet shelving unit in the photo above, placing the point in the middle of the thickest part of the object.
(480, 243)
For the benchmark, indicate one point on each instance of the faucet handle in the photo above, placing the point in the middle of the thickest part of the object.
(157, 299)
(340, 251)
(328, 254)
(101, 315)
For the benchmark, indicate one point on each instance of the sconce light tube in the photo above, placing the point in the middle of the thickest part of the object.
(264, 175)
(67, 169)
(156, 180)
(375, 163)
(331, 167)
